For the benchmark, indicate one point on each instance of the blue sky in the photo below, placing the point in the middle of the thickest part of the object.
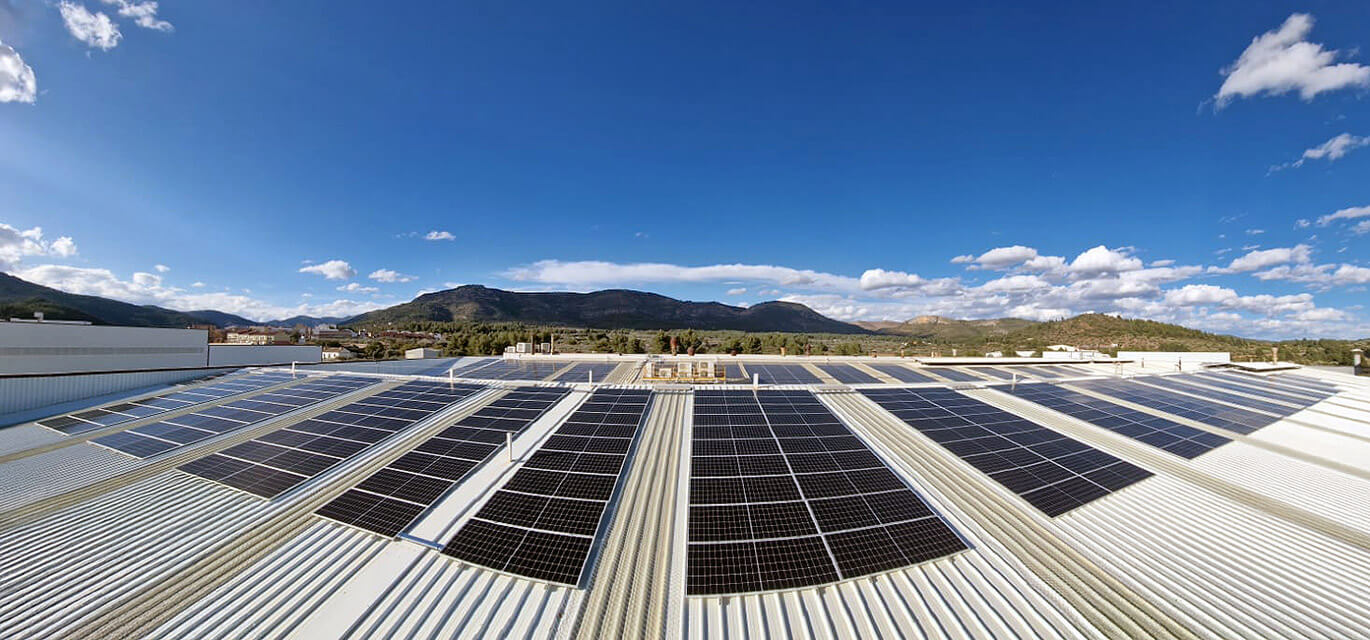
(1198, 164)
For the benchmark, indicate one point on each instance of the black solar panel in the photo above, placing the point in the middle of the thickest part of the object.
(902, 373)
(1163, 433)
(582, 370)
(847, 374)
(1299, 397)
(1281, 383)
(1186, 384)
(511, 370)
(108, 416)
(166, 435)
(957, 375)
(783, 373)
(993, 372)
(281, 460)
(783, 495)
(389, 500)
(1213, 414)
(542, 523)
(1052, 472)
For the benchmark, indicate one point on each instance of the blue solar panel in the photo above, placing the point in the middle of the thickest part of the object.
(1050, 471)
(902, 373)
(1181, 440)
(783, 373)
(1213, 414)
(848, 374)
(956, 375)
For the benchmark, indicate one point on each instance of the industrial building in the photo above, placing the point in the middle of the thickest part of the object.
(620, 497)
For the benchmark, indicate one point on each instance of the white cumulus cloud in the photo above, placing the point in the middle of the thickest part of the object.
(439, 235)
(1349, 213)
(1283, 61)
(17, 81)
(144, 14)
(1266, 258)
(390, 275)
(96, 29)
(17, 244)
(1102, 260)
(1334, 149)
(332, 270)
(594, 272)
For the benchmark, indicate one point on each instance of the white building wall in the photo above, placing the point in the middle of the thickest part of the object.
(246, 355)
(39, 347)
(1186, 357)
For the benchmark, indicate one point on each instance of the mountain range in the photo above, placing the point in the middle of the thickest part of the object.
(625, 309)
(20, 299)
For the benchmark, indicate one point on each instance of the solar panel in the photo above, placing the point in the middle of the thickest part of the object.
(512, 370)
(1213, 414)
(994, 373)
(582, 370)
(1312, 383)
(1163, 433)
(281, 460)
(1040, 371)
(92, 419)
(783, 373)
(544, 520)
(1185, 384)
(390, 499)
(1052, 472)
(783, 495)
(902, 373)
(1283, 383)
(957, 375)
(848, 374)
(173, 433)
(1299, 397)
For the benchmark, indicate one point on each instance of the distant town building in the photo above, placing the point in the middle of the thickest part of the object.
(260, 336)
(334, 354)
(332, 332)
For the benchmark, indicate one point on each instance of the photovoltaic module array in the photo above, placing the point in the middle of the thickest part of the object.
(902, 373)
(582, 370)
(390, 499)
(92, 419)
(173, 433)
(783, 495)
(1190, 384)
(511, 370)
(782, 373)
(1163, 433)
(957, 375)
(994, 373)
(1275, 387)
(1213, 414)
(543, 522)
(1052, 472)
(847, 374)
(281, 460)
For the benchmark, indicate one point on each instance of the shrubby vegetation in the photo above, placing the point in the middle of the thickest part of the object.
(1105, 333)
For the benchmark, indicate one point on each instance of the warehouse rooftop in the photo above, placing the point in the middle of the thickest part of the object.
(615, 496)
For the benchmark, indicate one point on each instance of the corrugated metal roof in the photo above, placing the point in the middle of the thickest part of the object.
(1268, 536)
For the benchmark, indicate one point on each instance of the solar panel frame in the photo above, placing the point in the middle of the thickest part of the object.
(392, 498)
(282, 460)
(530, 527)
(1213, 414)
(152, 439)
(774, 373)
(1163, 433)
(1051, 471)
(763, 518)
(848, 374)
(84, 421)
